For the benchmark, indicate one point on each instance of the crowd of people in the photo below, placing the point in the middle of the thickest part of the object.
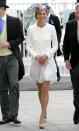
(43, 44)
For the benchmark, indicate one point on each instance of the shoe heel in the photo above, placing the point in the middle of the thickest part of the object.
(42, 122)
(41, 126)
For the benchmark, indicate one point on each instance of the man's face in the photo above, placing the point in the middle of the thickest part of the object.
(77, 13)
(2, 11)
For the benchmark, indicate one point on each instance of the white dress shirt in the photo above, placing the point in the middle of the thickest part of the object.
(3, 18)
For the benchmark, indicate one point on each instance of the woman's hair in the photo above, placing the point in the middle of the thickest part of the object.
(39, 8)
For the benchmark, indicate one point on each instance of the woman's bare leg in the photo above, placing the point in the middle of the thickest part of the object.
(39, 85)
(40, 92)
(43, 98)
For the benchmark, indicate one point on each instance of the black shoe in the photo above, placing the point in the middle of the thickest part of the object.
(76, 117)
(5, 121)
(16, 121)
(58, 78)
(1, 122)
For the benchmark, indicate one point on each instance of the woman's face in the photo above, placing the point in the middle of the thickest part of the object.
(41, 15)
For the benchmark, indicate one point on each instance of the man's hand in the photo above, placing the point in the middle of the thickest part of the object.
(68, 65)
(4, 45)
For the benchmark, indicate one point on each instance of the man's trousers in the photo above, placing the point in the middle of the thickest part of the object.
(9, 86)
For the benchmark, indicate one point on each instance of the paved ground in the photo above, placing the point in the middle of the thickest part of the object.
(60, 112)
(28, 85)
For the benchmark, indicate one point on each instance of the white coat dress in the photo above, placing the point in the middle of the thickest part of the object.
(39, 42)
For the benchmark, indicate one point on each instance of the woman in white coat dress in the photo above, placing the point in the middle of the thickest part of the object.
(43, 68)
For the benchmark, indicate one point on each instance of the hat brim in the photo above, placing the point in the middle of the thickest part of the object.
(4, 5)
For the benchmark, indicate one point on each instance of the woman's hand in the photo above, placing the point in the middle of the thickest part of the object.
(41, 59)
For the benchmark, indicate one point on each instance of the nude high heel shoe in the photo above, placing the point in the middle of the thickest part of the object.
(41, 126)
(42, 122)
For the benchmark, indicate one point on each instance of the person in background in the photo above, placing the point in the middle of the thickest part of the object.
(54, 20)
(71, 57)
(43, 67)
(72, 14)
(21, 19)
(11, 65)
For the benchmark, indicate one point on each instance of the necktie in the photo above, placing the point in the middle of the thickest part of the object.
(1, 25)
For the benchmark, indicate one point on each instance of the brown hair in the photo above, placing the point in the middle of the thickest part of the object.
(40, 8)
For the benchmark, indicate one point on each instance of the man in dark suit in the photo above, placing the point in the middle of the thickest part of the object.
(11, 65)
(71, 57)
(54, 20)
(72, 14)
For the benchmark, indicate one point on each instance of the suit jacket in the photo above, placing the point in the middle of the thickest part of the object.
(15, 37)
(71, 16)
(54, 20)
(70, 43)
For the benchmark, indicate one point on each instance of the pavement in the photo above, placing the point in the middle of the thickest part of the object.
(59, 115)
(27, 84)
(60, 107)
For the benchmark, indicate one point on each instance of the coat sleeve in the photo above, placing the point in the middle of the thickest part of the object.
(29, 46)
(58, 28)
(54, 20)
(54, 42)
(66, 43)
(17, 37)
